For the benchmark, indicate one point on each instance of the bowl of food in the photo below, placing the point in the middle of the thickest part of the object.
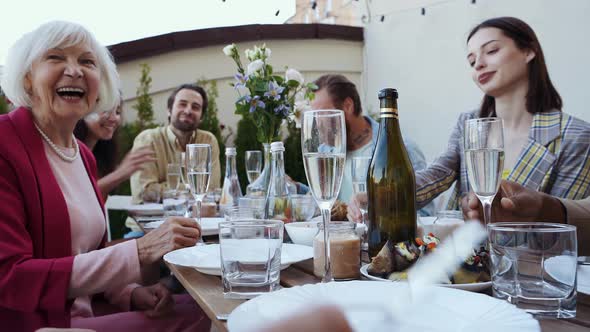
(302, 232)
(304, 207)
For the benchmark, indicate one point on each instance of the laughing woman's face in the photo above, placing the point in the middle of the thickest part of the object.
(64, 82)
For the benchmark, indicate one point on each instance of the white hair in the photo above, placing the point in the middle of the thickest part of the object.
(31, 46)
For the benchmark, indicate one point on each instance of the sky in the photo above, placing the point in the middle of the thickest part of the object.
(115, 21)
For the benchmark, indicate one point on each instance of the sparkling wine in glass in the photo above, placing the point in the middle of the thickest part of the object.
(198, 168)
(484, 156)
(323, 143)
(253, 165)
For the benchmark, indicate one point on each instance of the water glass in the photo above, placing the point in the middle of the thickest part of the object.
(250, 253)
(174, 176)
(533, 266)
(237, 213)
(304, 207)
(176, 202)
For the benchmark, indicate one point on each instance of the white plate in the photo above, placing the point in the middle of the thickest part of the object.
(474, 287)
(444, 309)
(150, 209)
(584, 279)
(205, 259)
(209, 226)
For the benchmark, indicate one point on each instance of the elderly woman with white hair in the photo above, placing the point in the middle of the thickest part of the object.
(52, 223)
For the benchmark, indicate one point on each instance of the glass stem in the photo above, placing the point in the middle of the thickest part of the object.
(326, 214)
(200, 240)
(487, 210)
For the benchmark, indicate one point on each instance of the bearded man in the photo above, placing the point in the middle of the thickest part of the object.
(186, 106)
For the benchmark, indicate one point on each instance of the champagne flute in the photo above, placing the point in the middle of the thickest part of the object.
(198, 168)
(484, 156)
(183, 174)
(359, 170)
(253, 165)
(323, 143)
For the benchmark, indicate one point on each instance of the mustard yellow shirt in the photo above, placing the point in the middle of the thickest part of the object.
(167, 149)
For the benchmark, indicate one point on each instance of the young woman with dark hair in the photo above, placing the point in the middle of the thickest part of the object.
(99, 134)
(545, 149)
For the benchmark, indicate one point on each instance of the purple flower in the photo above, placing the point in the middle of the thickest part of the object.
(254, 102)
(274, 91)
(241, 80)
(282, 109)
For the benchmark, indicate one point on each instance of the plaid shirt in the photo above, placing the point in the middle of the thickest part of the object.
(555, 160)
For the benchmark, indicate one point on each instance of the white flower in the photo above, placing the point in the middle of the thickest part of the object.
(254, 66)
(302, 105)
(249, 54)
(229, 49)
(267, 52)
(292, 74)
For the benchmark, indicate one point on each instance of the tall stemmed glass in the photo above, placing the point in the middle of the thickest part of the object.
(484, 156)
(323, 143)
(198, 168)
(253, 164)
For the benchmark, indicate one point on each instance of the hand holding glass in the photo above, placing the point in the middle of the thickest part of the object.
(198, 166)
(323, 143)
(484, 156)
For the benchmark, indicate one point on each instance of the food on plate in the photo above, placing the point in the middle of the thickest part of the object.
(393, 261)
(339, 211)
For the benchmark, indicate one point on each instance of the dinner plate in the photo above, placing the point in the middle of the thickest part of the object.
(206, 259)
(584, 279)
(209, 226)
(369, 306)
(150, 209)
(473, 287)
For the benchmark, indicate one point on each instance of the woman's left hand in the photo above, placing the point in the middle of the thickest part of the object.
(154, 301)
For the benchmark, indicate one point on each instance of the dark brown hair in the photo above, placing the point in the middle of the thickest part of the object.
(339, 88)
(193, 87)
(105, 152)
(542, 95)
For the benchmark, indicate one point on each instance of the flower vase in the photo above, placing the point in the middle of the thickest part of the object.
(259, 187)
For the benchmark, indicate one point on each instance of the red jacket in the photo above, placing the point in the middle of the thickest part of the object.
(35, 241)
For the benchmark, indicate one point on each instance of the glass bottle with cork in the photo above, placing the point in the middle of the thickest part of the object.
(391, 183)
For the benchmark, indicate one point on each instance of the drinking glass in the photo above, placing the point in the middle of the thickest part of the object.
(253, 165)
(198, 168)
(484, 156)
(323, 143)
(360, 168)
(533, 266)
(250, 253)
(175, 202)
(174, 176)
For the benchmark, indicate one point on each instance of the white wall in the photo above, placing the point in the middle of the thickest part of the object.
(424, 58)
(310, 56)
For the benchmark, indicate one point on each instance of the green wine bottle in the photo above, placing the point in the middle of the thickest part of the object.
(391, 184)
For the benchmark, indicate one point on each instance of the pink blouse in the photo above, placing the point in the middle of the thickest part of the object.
(112, 270)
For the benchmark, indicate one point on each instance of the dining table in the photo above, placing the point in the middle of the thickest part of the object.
(207, 291)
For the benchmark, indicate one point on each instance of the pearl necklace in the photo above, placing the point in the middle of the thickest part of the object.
(57, 150)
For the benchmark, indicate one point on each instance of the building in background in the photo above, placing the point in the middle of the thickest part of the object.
(187, 56)
(341, 12)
